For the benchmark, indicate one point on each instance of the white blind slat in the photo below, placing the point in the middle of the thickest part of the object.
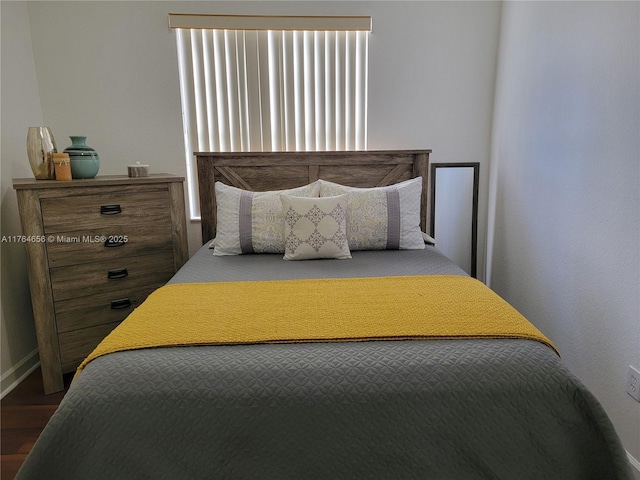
(254, 107)
(318, 67)
(309, 92)
(208, 96)
(275, 80)
(232, 105)
(298, 89)
(340, 94)
(263, 80)
(329, 91)
(199, 91)
(185, 74)
(288, 89)
(361, 67)
(243, 101)
(350, 91)
(220, 76)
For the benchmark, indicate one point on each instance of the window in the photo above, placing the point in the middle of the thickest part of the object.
(266, 83)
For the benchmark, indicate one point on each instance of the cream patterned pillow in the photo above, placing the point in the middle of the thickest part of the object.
(383, 217)
(252, 222)
(315, 227)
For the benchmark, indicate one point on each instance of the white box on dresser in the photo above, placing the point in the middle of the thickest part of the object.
(95, 249)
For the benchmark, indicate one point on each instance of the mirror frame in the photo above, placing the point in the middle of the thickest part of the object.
(474, 212)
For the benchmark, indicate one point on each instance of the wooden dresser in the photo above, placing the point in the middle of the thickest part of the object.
(95, 249)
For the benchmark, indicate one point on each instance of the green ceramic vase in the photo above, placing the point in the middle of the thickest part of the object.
(85, 161)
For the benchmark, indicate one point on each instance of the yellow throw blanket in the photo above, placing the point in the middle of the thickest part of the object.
(419, 307)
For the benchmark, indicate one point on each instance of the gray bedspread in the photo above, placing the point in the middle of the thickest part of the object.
(204, 267)
(413, 409)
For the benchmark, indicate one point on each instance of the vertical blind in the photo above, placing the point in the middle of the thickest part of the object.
(261, 89)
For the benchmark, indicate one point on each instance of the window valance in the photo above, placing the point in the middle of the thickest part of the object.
(270, 22)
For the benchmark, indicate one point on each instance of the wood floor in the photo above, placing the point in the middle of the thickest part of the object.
(23, 414)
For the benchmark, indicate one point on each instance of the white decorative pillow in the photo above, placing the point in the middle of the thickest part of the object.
(383, 217)
(252, 222)
(315, 227)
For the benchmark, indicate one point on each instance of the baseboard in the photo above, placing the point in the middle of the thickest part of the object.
(635, 466)
(16, 374)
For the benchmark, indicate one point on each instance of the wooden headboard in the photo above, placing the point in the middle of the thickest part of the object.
(262, 171)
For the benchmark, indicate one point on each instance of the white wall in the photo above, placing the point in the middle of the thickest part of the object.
(566, 164)
(20, 109)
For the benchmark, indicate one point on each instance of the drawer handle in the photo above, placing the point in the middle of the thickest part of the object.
(117, 273)
(120, 304)
(110, 209)
(114, 242)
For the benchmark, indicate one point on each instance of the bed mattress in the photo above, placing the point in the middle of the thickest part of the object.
(412, 409)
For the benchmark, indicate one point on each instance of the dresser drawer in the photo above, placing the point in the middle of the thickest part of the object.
(71, 248)
(110, 276)
(86, 212)
(77, 345)
(84, 312)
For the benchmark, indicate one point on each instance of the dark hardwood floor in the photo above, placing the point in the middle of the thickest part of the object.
(23, 414)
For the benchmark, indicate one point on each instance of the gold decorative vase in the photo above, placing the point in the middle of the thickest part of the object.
(40, 148)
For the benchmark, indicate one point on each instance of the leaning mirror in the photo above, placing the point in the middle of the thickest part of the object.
(454, 216)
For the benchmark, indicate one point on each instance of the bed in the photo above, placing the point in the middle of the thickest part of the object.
(332, 403)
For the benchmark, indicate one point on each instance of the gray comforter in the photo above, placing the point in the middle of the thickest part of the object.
(435, 409)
